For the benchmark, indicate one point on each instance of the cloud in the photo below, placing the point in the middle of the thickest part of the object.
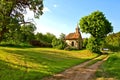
(44, 29)
(55, 5)
(46, 9)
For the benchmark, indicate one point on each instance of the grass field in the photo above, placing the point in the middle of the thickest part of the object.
(36, 63)
(111, 68)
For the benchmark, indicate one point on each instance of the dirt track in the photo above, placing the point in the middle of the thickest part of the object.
(79, 72)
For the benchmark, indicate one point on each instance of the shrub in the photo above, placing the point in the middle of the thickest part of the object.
(40, 43)
(59, 44)
(93, 45)
(85, 42)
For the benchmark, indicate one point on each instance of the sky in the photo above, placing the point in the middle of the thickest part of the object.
(62, 16)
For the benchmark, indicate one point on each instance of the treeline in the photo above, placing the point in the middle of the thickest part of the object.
(19, 35)
(24, 36)
(43, 40)
(112, 42)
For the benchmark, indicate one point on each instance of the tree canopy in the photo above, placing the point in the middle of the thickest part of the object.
(12, 13)
(62, 36)
(97, 25)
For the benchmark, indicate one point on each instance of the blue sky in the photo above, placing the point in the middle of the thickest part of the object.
(62, 16)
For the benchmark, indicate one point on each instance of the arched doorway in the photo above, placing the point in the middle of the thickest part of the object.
(72, 44)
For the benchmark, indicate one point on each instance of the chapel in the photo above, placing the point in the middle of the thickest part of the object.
(74, 39)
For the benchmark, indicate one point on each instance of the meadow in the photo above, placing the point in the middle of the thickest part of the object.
(110, 69)
(36, 63)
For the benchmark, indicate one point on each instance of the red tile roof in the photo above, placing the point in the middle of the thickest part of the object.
(72, 36)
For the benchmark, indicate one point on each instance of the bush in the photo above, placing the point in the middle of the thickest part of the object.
(59, 44)
(8, 44)
(85, 42)
(40, 43)
(93, 45)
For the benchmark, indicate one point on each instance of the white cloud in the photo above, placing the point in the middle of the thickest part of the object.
(55, 5)
(46, 9)
(44, 29)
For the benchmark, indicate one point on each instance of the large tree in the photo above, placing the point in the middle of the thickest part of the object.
(23, 34)
(62, 36)
(12, 13)
(27, 32)
(97, 25)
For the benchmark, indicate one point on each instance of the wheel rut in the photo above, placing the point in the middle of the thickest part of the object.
(80, 72)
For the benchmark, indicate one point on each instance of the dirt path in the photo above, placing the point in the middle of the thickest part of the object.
(79, 72)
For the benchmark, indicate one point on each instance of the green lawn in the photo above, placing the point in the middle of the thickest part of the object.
(110, 68)
(36, 63)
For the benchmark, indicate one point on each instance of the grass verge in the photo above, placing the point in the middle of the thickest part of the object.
(110, 69)
(99, 58)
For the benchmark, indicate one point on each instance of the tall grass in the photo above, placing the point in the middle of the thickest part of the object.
(36, 63)
(111, 68)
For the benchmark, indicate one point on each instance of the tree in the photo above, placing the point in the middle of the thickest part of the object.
(58, 43)
(62, 36)
(27, 32)
(23, 34)
(45, 39)
(12, 13)
(48, 37)
(97, 25)
(39, 36)
(85, 42)
(93, 45)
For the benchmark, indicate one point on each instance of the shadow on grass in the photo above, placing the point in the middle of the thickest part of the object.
(7, 72)
(48, 62)
(16, 46)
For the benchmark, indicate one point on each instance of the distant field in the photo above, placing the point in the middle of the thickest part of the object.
(36, 63)
(110, 69)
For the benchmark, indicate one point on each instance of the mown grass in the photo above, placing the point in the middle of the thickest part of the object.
(36, 63)
(110, 68)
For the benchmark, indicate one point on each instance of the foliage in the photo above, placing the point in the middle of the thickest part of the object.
(98, 26)
(12, 13)
(49, 37)
(36, 63)
(27, 32)
(93, 45)
(24, 34)
(62, 36)
(39, 36)
(110, 68)
(37, 43)
(85, 42)
(13, 44)
(112, 42)
(45, 38)
(59, 44)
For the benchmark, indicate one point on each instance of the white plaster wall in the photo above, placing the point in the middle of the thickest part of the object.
(69, 42)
